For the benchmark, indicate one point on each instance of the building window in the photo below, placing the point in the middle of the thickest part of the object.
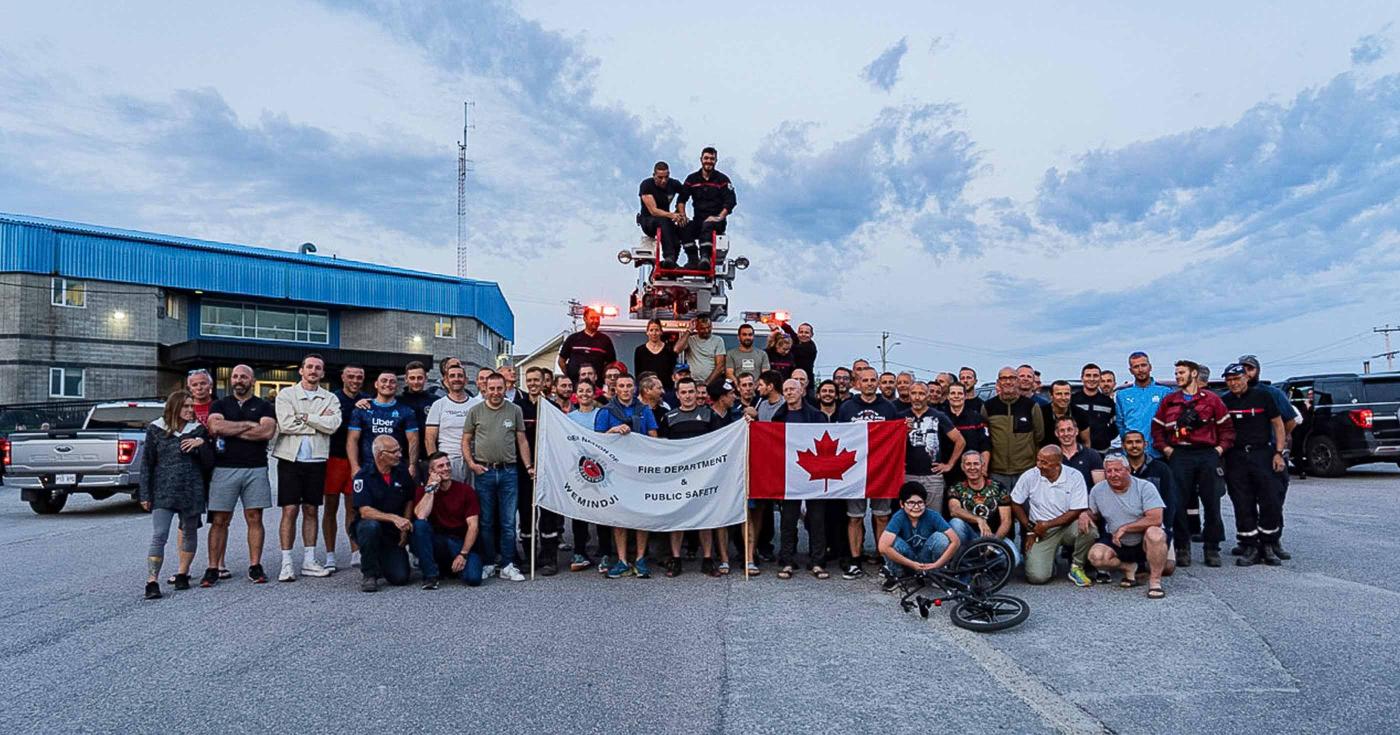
(446, 328)
(65, 292)
(483, 336)
(172, 306)
(66, 382)
(259, 321)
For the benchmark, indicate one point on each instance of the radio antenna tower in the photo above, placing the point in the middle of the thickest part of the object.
(462, 169)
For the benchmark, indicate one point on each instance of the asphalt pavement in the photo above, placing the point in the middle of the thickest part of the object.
(1309, 647)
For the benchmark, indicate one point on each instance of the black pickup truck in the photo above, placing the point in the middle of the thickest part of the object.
(1348, 419)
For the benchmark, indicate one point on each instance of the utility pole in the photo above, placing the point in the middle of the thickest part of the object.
(1389, 354)
(462, 169)
(885, 348)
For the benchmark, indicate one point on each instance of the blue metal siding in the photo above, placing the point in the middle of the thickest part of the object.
(52, 247)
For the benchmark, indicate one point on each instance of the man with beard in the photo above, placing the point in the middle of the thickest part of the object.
(242, 425)
(1192, 429)
(586, 347)
(1135, 405)
(968, 378)
(702, 350)
(690, 419)
(446, 418)
(841, 378)
(744, 358)
(712, 197)
(933, 442)
(866, 406)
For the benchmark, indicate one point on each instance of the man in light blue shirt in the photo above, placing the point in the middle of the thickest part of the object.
(1137, 403)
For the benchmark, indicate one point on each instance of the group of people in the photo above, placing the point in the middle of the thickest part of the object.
(1117, 479)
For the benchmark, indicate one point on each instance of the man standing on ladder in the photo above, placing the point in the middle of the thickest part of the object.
(713, 197)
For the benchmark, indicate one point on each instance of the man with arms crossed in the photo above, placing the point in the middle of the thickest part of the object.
(242, 424)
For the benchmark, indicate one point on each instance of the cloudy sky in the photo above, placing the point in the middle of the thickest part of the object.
(1024, 184)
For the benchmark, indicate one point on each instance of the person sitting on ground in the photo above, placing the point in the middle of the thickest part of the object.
(917, 539)
(172, 485)
(384, 500)
(446, 518)
(979, 507)
(1130, 513)
(1058, 503)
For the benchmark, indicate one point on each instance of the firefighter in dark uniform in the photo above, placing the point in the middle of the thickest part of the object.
(713, 200)
(1252, 466)
(656, 194)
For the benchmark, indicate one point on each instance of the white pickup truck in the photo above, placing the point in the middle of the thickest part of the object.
(101, 459)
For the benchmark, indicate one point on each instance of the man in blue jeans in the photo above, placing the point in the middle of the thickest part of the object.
(383, 496)
(916, 539)
(492, 437)
(445, 525)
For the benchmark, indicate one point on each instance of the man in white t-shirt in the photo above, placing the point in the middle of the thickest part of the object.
(1052, 505)
(446, 417)
(702, 350)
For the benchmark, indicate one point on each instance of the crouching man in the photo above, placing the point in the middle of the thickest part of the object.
(445, 526)
(1129, 510)
(383, 494)
(917, 539)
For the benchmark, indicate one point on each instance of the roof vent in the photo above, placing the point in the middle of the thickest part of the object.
(307, 248)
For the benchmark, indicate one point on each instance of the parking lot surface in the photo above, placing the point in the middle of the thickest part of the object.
(1309, 647)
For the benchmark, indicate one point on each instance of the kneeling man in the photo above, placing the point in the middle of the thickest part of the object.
(1129, 511)
(383, 494)
(917, 539)
(446, 518)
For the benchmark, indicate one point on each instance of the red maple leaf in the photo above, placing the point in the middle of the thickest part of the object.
(826, 464)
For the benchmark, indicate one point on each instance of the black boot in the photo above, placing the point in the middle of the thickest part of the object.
(1212, 557)
(1250, 557)
(1183, 557)
(549, 557)
(1237, 550)
(691, 258)
(1266, 555)
(1275, 546)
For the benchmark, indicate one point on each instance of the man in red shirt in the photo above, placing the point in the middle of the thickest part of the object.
(201, 388)
(1192, 429)
(445, 525)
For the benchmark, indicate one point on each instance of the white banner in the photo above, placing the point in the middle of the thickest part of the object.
(634, 481)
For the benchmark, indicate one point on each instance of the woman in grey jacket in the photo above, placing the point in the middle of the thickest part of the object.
(172, 485)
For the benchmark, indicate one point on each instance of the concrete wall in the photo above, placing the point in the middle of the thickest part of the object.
(396, 331)
(113, 337)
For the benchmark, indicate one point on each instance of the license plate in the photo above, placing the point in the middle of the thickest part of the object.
(66, 479)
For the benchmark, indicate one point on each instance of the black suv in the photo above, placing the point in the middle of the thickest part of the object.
(1348, 419)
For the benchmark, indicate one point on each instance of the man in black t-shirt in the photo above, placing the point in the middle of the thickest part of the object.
(1094, 412)
(241, 425)
(1252, 465)
(588, 347)
(656, 194)
(933, 441)
(868, 405)
(689, 420)
(713, 198)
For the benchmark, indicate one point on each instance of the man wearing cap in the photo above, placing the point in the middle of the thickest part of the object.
(1251, 468)
(1291, 419)
(1192, 429)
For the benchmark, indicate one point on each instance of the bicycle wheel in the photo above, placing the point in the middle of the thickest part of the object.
(987, 614)
(985, 564)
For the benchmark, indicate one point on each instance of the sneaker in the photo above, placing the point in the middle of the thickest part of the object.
(885, 573)
(673, 566)
(853, 572)
(642, 569)
(313, 568)
(430, 583)
(891, 582)
(619, 569)
(511, 574)
(153, 590)
(1078, 577)
(579, 563)
(488, 571)
(287, 575)
(182, 581)
(707, 567)
(210, 578)
(355, 559)
(1102, 577)
(330, 564)
(603, 567)
(369, 584)
(256, 574)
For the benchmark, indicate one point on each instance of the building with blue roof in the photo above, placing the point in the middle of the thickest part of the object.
(102, 313)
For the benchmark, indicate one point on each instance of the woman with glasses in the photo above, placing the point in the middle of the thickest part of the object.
(174, 457)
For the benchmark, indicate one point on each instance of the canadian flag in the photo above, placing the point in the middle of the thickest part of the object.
(819, 461)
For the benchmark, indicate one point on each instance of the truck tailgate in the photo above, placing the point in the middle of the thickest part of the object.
(65, 451)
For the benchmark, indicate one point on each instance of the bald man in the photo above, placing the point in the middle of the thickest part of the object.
(383, 494)
(1053, 506)
(241, 424)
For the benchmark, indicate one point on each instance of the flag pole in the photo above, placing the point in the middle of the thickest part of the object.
(748, 551)
(535, 492)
